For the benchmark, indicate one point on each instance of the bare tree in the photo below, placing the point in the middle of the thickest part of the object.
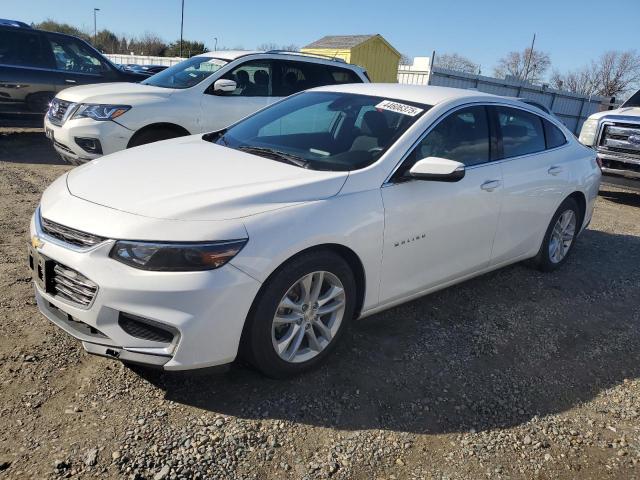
(613, 74)
(453, 61)
(617, 72)
(268, 46)
(405, 60)
(528, 65)
(148, 44)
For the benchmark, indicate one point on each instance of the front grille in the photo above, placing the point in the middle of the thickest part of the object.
(57, 111)
(70, 235)
(620, 138)
(137, 327)
(72, 286)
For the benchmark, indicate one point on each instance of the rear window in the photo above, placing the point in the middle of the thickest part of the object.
(555, 137)
(23, 49)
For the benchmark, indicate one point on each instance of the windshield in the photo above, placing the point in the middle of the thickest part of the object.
(634, 100)
(323, 130)
(187, 73)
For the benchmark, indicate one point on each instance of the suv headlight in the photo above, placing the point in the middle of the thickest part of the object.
(100, 112)
(588, 132)
(176, 257)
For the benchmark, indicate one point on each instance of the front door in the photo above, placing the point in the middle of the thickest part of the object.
(254, 91)
(436, 232)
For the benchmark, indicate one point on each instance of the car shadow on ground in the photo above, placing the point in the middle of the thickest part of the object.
(631, 199)
(492, 352)
(28, 147)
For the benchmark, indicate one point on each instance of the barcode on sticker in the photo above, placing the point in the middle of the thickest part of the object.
(399, 108)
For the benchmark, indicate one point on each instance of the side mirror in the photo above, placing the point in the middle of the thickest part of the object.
(438, 169)
(222, 86)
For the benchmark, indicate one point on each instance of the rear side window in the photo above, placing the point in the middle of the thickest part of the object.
(293, 77)
(555, 137)
(22, 49)
(522, 132)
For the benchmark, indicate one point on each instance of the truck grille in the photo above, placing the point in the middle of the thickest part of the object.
(620, 138)
(69, 235)
(58, 110)
(72, 286)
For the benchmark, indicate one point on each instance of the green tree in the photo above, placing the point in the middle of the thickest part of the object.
(189, 48)
(53, 26)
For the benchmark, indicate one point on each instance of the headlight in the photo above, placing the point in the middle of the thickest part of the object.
(100, 112)
(176, 257)
(588, 132)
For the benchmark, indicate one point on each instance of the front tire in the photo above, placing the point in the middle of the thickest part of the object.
(300, 315)
(560, 236)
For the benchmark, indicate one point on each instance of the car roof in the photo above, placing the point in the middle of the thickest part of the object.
(428, 95)
(231, 55)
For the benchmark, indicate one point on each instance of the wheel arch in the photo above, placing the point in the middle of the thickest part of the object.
(152, 126)
(581, 200)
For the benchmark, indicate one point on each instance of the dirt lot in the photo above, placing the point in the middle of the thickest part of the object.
(515, 374)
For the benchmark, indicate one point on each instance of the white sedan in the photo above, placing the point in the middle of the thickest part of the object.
(267, 238)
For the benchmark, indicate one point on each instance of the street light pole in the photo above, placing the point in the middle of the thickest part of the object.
(95, 28)
(215, 45)
(181, 27)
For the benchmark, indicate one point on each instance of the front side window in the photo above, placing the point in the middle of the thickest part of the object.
(22, 49)
(317, 130)
(253, 79)
(187, 73)
(522, 132)
(71, 55)
(463, 136)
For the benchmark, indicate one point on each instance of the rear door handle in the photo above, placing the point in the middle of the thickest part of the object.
(490, 185)
(68, 80)
(555, 170)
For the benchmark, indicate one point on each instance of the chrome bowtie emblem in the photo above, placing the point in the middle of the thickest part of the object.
(634, 139)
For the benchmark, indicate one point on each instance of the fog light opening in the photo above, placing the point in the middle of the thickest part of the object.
(90, 145)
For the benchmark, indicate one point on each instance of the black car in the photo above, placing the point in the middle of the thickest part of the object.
(35, 65)
(146, 70)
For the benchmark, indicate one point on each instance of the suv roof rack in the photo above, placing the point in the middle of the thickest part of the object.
(305, 54)
(13, 23)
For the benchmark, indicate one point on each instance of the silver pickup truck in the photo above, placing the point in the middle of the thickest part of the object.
(615, 135)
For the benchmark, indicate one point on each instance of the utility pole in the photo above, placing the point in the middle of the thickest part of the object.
(526, 71)
(181, 27)
(95, 25)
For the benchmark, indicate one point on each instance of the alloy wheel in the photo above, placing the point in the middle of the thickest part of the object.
(562, 236)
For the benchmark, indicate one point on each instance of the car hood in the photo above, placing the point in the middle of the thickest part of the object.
(191, 179)
(626, 111)
(119, 93)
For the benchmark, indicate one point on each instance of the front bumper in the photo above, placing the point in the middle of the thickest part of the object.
(206, 310)
(113, 137)
(619, 164)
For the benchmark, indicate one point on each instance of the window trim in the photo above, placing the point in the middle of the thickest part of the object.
(391, 179)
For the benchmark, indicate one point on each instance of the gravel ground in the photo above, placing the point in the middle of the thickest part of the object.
(515, 374)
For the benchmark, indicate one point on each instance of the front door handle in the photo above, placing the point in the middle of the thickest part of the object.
(555, 170)
(490, 185)
(68, 80)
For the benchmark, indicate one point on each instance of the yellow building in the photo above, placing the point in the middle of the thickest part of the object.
(371, 52)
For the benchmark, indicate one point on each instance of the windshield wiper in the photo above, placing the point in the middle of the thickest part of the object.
(276, 155)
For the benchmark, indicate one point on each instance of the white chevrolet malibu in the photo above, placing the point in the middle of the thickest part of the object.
(267, 238)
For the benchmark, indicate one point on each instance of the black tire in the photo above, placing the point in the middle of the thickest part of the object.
(154, 135)
(257, 346)
(542, 261)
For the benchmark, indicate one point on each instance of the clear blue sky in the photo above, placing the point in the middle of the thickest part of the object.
(571, 31)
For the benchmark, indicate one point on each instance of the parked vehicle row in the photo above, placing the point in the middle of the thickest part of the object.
(35, 65)
(265, 238)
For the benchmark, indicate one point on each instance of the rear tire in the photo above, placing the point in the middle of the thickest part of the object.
(153, 135)
(560, 237)
(283, 315)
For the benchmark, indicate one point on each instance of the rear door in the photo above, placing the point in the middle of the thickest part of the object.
(26, 76)
(535, 170)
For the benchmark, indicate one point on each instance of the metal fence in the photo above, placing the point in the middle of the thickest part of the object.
(143, 59)
(571, 108)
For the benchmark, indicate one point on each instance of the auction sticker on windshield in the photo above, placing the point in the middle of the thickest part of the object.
(399, 108)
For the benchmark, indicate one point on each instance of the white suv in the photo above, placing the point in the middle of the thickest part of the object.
(204, 93)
